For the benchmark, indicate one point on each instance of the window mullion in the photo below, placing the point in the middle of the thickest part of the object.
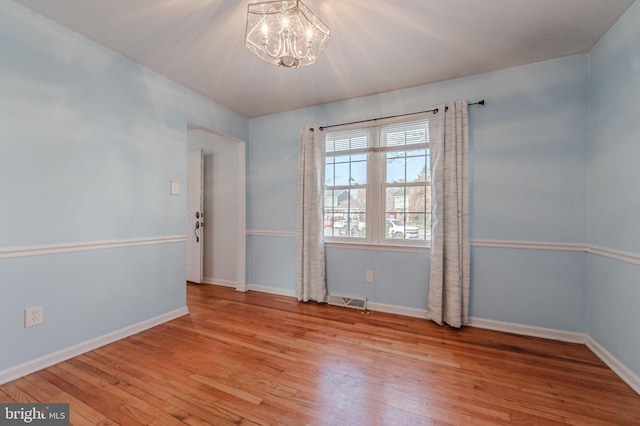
(373, 208)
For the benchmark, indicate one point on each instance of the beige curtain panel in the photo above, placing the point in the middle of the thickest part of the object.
(448, 300)
(310, 256)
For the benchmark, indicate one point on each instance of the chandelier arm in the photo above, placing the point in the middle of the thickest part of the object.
(289, 38)
(295, 49)
(277, 53)
(309, 50)
(287, 44)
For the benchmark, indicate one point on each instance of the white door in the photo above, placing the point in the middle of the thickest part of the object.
(195, 216)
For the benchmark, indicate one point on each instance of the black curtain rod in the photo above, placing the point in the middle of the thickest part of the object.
(434, 110)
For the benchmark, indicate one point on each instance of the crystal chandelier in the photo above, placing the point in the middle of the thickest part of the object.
(285, 33)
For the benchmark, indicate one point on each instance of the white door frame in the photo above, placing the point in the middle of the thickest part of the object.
(241, 284)
(242, 218)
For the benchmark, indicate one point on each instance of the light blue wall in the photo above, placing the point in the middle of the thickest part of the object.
(529, 158)
(613, 289)
(543, 288)
(89, 141)
(399, 278)
(85, 295)
(271, 261)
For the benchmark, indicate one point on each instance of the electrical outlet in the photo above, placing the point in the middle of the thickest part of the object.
(33, 316)
(369, 276)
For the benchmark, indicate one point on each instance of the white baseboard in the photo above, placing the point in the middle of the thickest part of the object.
(272, 290)
(378, 307)
(528, 330)
(612, 362)
(398, 310)
(216, 281)
(45, 361)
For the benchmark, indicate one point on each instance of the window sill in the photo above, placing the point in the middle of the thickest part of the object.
(365, 245)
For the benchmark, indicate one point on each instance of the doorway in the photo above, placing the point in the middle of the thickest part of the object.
(224, 206)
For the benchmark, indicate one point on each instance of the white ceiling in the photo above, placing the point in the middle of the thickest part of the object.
(375, 46)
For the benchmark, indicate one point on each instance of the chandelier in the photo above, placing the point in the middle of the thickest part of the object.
(285, 33)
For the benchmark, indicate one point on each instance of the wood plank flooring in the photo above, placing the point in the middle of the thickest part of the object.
(254, 358)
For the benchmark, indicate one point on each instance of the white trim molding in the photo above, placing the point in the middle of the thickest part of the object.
(241, 267)
(373, 306)
(45, 361)
(286, 234)
(623, 256)
(528, 330)
(612, 362)
(6, 253)
(531, 245)
(272, 290)
(398, 310)
(222, 283)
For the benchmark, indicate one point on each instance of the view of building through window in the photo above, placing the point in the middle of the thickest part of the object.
(377, 185)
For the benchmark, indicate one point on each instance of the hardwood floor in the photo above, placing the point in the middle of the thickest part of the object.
(254, 358)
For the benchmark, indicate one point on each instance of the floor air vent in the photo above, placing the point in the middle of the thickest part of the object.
(347, 301)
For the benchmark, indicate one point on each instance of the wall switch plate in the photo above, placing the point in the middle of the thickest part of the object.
(174, 188)
(33, 316)
(369, 276)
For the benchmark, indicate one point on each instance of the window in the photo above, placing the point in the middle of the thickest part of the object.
(377, 186)
(346, 183)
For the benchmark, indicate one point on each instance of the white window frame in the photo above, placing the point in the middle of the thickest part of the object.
(375, 190)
